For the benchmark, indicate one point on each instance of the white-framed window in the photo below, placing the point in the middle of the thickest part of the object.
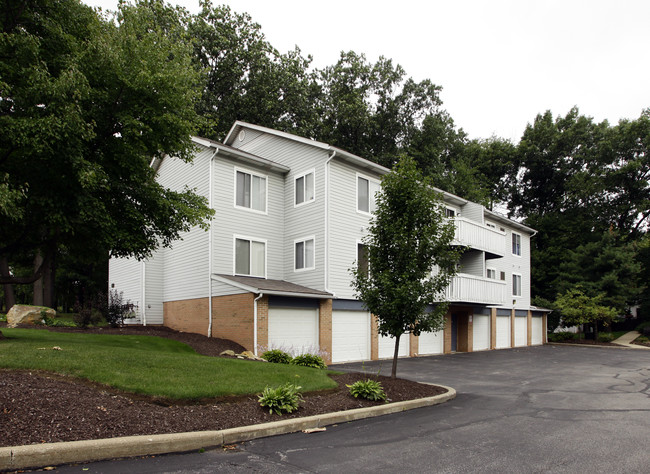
(304, 254)
(491, 273)
(450, 212)
(250, 256)
(516, 244)
(490, 225)
(250, 190)
(304, 188)
(367, 188)
(516, 284)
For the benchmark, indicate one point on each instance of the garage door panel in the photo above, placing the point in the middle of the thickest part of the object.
(481, 332)
(431, 343)
(350, 336)
(503, 332)
(537, 328)
(386, 346)
(294, 330)
(521, 331)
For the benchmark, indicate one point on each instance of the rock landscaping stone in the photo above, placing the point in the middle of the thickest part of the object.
(228, 353)
(26, 314)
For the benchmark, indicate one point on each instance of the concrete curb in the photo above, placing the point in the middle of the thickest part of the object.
(52, 454)
(619, 346)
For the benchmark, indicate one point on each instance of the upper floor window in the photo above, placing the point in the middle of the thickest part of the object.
(304, 186)
(250, 191)
(450, 212)
(516, 244)
(516, 285)
(304, 254)
(362, 258)
(250, 257)
(366, 190)
(491, 273)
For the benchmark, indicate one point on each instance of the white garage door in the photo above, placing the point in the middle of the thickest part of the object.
(387, 346)
(431, 343)
(350, 335)
(481, 332)
(503, 332)
(521, 331)
(294, 330)
(537, 330)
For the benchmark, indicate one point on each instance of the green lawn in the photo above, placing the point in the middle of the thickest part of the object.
(148, 365)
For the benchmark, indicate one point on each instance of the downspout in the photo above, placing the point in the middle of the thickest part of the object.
(255, 322)
(144, 293)
(327, 224)
(216, 150)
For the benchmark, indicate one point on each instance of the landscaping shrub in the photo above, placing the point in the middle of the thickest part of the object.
(3, 318)
(58, 323)
(283, 399)
(309, 360)
(277, 356)
(118, 310)
(606, 337)
(642, 340)
(561, 336)
(644, 328)
(368, 389)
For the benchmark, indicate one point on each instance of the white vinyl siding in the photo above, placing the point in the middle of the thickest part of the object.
(481, 332)
(367, 188)
(304, 188)
(350, 335)
(304, 254)
(250, 190)
(250, 257)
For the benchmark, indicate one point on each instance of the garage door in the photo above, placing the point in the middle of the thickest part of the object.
(537, 329)
(521, 331)
(387, 346)
(350, 335)
(431, 343)
(503, 332)
(481, 332)
(294, 330)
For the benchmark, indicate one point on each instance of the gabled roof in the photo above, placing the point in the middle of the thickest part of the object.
(507, 221)
(242, 155)
(270, 287)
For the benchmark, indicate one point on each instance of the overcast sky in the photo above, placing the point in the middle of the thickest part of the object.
(500, 62)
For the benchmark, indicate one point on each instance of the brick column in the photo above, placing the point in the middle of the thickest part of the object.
(493, 328)
(263, 321)
(512, 327)
(374, 338)
(529, 336)
(414, 345)
(544, 329)
(325, 329)
(447, 334)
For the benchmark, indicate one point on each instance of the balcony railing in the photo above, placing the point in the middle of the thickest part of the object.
(478, 236)
(473, 289)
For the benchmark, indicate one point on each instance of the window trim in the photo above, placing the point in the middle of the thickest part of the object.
(295, 181)
(488, 269)
(238, 169)
(513, 233)
(236, 237)
(520, 285)
(356, 194)
(297, 241)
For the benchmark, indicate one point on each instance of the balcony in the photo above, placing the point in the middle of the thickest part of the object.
(472, 289)
(478, 236)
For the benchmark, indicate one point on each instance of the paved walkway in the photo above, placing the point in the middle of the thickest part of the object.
(626, 340)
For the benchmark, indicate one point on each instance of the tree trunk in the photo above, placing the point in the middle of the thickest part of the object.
(393, 372)
(10, 297)
(48, 283)
(595, 331)
(38, 284)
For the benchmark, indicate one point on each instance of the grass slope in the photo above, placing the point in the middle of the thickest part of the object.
(148, 365)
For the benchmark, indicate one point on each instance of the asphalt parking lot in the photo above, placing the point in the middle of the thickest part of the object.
(539, 409)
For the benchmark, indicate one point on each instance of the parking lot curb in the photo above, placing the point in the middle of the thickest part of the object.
(53, 454)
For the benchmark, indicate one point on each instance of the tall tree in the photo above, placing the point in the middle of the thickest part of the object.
(87, 102)
(408, 237)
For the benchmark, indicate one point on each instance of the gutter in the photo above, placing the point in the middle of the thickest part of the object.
(144, 293)
(216, 150)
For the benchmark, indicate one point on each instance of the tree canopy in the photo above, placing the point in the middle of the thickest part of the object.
(407, 239)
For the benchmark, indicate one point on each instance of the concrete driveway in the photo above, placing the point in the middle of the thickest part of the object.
(537, 409)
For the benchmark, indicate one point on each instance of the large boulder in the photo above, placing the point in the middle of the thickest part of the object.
(26, 314)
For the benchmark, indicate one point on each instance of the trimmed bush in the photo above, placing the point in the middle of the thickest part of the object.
(561, 336)
(309, 360)
(283, 399)
(605, 337)
(368, 389)
(277, 356)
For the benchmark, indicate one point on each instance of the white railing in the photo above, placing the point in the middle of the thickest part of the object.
(473, 289)
(478, 236)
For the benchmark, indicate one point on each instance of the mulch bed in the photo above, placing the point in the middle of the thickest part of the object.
(588, 342)
(45, 408)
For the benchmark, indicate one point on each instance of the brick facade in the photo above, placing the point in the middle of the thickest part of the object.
(325, 329)
(187, 315)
